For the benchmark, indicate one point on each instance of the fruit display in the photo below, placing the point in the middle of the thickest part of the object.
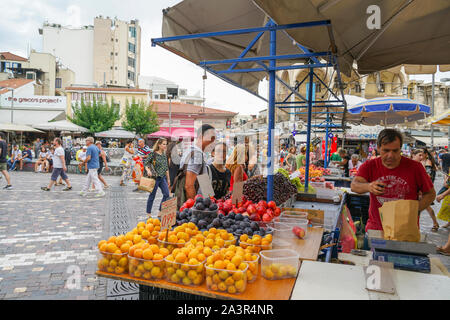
(252, 259)
(215, 239)
(148, 230)
(226, 271)
(147, 261)
(177, 237)
(315, 172)
(279, 264)
(278, 271)
(186, 266)
(255, 189)
(256, 243)
(299, 232)
(238, 220)
(114, 253)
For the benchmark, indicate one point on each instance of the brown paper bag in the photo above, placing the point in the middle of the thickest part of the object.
(146, 184)
(399, 219)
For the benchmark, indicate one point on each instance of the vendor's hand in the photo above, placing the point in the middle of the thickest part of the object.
(377, 188)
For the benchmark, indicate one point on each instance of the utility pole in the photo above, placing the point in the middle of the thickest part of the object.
(445, 80)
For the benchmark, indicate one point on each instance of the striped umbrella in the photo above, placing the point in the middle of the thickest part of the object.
(388, 111)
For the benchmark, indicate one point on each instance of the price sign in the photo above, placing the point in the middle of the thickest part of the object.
(168, 213)
(238, 190)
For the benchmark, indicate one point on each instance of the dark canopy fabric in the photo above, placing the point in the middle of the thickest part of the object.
(412, 31)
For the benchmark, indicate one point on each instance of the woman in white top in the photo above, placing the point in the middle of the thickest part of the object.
(43, 154)
(126, 162)
(354, 163)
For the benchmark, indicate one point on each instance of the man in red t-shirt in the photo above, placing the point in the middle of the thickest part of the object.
(392, 177)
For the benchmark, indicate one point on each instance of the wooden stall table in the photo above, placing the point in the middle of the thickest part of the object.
(308, 248)
(261, 289)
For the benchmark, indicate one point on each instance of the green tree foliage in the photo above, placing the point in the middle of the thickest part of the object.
(140, 118)
(96, 116)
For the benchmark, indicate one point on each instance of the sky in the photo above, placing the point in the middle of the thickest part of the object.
(21, 19)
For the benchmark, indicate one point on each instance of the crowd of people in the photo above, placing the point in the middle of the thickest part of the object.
(387, 174)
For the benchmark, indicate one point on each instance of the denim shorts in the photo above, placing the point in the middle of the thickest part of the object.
(58, 172)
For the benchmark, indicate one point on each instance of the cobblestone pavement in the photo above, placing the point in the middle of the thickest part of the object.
(44, 236)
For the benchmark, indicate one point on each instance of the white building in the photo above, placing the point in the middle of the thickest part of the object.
(158, 87)
(23, 106)
(73, 47)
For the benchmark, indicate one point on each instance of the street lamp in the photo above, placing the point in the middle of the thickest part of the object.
(448, 105)
(172, 93)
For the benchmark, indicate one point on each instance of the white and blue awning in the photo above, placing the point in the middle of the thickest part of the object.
(388, 111)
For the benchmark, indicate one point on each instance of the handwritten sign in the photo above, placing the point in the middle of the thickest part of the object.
(168, 213)
(238, 190)
(205, 185)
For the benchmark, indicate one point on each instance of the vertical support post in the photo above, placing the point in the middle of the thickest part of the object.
(170, 116)
(326, 142)
(308, 128)
(271, 115)
(432, 110)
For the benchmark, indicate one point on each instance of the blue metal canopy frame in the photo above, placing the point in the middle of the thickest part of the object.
(312, 62)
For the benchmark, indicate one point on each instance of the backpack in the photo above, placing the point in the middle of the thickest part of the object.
(180, 180)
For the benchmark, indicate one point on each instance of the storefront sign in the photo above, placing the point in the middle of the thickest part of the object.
(34, 101)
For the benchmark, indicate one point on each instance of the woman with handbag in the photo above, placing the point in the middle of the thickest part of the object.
(157, 167)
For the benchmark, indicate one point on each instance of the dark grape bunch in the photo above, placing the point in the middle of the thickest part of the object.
(255, 189)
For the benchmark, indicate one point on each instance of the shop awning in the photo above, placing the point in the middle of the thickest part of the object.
(11, 127)
(31, 117)
(443, 119)
(118, 133)
(177, 132)
(63, 125)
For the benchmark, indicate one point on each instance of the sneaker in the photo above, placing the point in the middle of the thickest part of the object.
(82, 193)
(45, 189)
(7, 187)
(136, 190)
(67, 189)
(100, 194)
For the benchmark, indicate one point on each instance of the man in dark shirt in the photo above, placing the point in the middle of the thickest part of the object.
(3, 153)
(26, 157)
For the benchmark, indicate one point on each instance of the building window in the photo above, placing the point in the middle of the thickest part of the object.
(115, 68)
(156, 96)
(116, 54)
(162, 96)
(132, 32)
(131, 62)
(111, 67)
(31, 75)
(131, 75)
(112, 53)
(381, 87)
(357, 88)
(58, 83)
(117, 40)
(112, 39)
(131, 47)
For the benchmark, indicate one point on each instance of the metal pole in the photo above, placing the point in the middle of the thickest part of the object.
(432, 110)
(12, 106)
(271, 115)
(308, 130)
(170, 116)
(326, 142)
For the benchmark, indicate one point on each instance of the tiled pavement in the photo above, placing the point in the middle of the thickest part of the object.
(45, 236)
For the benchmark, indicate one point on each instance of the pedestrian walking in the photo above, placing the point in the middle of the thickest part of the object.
(102, 162)
(59, 167)
(3, 166)
(126, 162)
(92, 161)
(157, 166)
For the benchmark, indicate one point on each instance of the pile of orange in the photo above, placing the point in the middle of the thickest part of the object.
(148, 230)
(277, 271)
(226, 270)
(114, 253)
(256, 243)
(252, 260)
(147, 261)
(214, 239)
(185, 265)
(178, 237)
